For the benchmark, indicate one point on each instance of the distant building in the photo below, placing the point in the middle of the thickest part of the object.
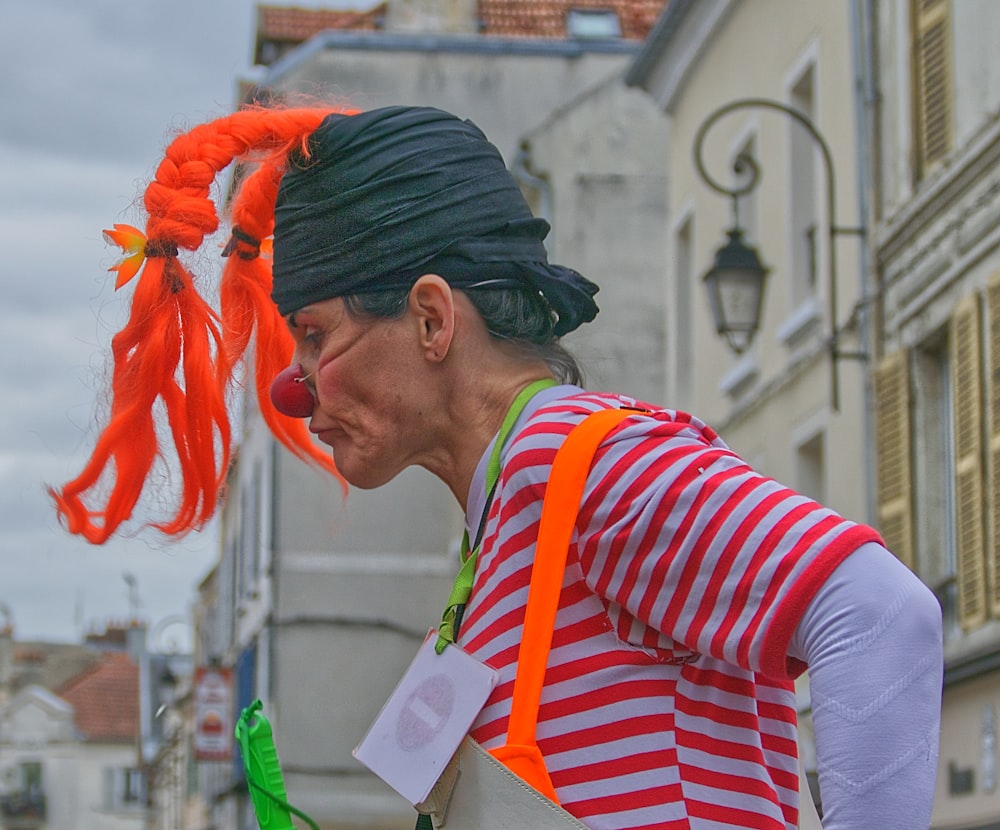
(30, 663)
(283, 29)
(933, 87)
(78, 727)
(774, 400)
(68, 757)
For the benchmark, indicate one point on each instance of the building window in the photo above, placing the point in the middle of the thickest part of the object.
(683, 310)
(593, 23)
(24, 806)
(810, 463)
(933, 479)
(991, 397)
(804, 215)
(891, 381)
(967, 419)
(988, 748)
(252, 542)
(246, 691)
(938, 457)
(932, 87)
(124, 788)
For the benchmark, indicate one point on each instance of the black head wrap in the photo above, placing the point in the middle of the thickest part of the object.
(388, 195)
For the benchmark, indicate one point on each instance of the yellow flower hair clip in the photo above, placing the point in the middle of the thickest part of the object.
(133, 242)
(136, 247)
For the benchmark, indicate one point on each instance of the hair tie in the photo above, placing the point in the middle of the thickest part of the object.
(239, 242)
(160, 248)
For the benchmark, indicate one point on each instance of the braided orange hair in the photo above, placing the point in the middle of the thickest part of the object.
(176, 354)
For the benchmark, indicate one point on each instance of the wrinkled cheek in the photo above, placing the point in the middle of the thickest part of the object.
(336, 382)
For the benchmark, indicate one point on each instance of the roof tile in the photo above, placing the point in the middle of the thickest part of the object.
(499, 18)
(105, 700)
(547, 18)
(290, 23)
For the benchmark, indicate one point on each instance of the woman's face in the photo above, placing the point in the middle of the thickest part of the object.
(365, 378)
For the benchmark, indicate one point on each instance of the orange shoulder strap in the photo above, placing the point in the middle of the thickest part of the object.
(563, 495)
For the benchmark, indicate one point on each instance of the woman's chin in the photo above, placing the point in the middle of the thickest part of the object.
(359, 473)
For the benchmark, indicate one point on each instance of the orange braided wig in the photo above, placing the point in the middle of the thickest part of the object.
(176, 353)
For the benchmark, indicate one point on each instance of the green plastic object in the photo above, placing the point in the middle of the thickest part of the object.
(263, 772)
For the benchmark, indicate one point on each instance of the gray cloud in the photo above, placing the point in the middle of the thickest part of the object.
(94, 91)
(106, 79)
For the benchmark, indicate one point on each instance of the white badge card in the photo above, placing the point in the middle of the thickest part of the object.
(423, 722)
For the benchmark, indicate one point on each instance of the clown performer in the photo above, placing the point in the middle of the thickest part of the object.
(408, 315)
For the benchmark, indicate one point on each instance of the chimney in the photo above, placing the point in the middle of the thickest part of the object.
(6, 660)
(449, 17)
(135, 641)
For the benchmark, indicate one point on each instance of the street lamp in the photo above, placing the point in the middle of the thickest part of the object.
(736, 280)
(736, 291)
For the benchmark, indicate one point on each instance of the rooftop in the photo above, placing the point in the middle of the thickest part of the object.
(281, 28)
(553, 18)
(292, 24)
(105, 699)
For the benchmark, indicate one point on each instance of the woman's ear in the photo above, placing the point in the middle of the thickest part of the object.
(432, 303)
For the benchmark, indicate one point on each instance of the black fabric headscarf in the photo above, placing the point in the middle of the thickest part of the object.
(388, 195)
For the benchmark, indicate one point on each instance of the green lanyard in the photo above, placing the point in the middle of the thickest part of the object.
(462, 589)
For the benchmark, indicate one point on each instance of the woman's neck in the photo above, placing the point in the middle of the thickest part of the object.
(477, 414)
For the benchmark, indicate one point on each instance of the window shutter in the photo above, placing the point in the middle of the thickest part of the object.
(892, 437)
(993, 427)
(966, 372)
(933, 81)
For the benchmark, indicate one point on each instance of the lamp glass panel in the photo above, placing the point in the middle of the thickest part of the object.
(739, 299)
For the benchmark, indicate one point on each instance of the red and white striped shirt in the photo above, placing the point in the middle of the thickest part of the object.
(668, 698)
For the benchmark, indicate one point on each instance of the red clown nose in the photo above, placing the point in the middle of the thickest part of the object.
(290, 394)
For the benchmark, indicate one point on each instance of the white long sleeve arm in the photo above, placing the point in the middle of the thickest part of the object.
(872, 640)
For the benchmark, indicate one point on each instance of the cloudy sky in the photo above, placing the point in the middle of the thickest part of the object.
(91, 92)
